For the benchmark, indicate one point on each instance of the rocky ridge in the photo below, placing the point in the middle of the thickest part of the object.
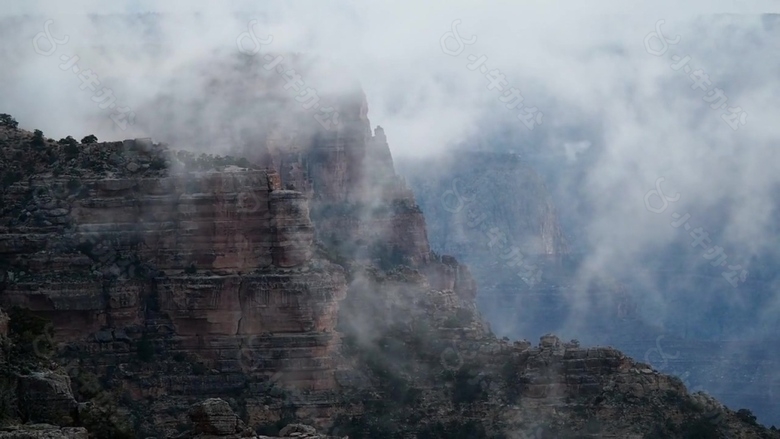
(194, 278)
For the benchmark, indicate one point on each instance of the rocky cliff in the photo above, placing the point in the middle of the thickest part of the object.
(297, 285)
(482, 205)
(493, 212)
(490, 210)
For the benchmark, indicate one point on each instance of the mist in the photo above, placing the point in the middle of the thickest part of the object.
(616, 115)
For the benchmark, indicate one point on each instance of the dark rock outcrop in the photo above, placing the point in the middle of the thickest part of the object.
(46, 397)
(215, 417)
(43, 431)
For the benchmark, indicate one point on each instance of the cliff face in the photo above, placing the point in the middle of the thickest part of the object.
(136, 253)
(359, 206)
(493, 212)
(127, 256)
(358, 203)
(296, 285)
(480, 205)
(488, 209)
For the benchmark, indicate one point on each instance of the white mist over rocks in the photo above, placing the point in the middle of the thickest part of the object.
(587, 67)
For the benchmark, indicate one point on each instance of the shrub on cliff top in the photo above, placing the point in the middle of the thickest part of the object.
(37, 140)
(71, 150)
(68, 141)
(745, 415)
(89, 139)
(6, 120)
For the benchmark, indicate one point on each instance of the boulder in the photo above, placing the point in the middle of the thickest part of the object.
(296, 428)
(46, 397)
(214, 416)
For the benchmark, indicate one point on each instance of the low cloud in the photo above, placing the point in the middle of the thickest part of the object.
(584, 67)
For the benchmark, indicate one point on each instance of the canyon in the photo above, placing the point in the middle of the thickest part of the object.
(493, 211)
(294, 280)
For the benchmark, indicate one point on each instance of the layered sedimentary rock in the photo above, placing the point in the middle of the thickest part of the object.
(296, 285)
(214, 418)
(482, 204)
(157, 260)
(46, 397)
(439, 373)
(135, 252)
(43, 431)
(326, 151)
(357, 200)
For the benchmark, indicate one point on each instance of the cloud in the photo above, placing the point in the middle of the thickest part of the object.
(573, 149)
(583, 65)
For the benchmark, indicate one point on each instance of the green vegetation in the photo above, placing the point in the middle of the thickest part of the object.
(386, 256)
(73, 185)
(68, 141)
(199, 368)
(85, 384)
(697, 428)
(157, 164)
(145, 349)
(464, 429)
(89, 139)
(37, 140)
(30, 334)
(10, 177)
(105, 418)
(6, 120)
(204, 162)
(746, 416)
(515, 382)
(71, 150)
(701, 428)
(28, 346)
(8, 403)
(469, 386)
(463, 317)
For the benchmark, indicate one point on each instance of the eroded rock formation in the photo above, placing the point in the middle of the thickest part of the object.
(297, 285)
